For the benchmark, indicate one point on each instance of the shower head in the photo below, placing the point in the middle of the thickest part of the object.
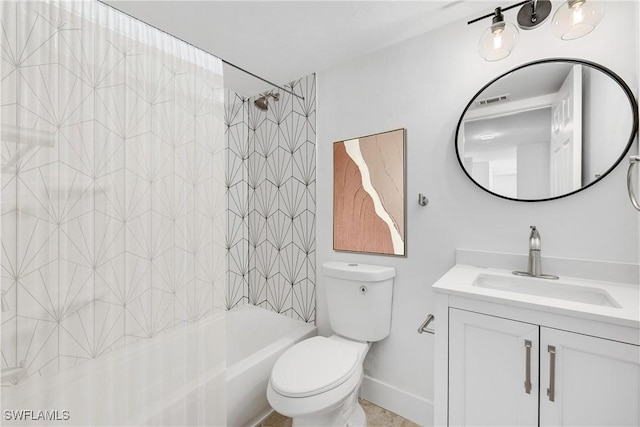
(262, 102)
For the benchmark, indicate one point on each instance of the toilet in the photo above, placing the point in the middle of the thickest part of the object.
(316, 381)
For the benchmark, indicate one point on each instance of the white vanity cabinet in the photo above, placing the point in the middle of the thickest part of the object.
(493, 371)
(504, 372)
(505, 359)
(588, 381)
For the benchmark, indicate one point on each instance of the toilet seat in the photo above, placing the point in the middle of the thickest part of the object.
(314, 366)
(329, 400)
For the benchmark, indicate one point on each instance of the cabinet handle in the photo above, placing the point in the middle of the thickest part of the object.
(551, 391)
(527, 369)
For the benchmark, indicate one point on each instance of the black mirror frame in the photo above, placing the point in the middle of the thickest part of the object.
(632, 101)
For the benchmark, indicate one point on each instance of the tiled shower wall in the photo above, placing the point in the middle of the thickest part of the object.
(113, 197)
(271, 180)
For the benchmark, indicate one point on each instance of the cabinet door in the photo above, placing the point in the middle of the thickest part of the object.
(493, 371)
(587, 381)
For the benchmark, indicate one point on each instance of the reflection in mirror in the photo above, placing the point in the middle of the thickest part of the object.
(546, 129)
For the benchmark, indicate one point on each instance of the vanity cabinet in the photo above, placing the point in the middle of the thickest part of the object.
(506, 372)
(488, 370)
(596, 381)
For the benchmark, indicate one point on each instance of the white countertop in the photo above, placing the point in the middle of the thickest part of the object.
(459, 281)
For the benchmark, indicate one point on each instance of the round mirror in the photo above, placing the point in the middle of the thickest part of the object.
(546, 129)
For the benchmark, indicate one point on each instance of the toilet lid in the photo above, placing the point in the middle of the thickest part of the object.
(313, 366)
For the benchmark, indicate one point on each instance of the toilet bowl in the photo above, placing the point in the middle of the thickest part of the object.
(316, 382)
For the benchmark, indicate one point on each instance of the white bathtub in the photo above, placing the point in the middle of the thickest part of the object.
(212, 373)
(258, 338)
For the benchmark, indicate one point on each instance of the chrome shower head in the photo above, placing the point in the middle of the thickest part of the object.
(262, 102)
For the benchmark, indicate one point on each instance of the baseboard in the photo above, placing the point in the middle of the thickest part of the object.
(407, 405)
(257, 421)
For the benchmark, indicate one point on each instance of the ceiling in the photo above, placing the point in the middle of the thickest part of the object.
(285, 40)
(528, 82)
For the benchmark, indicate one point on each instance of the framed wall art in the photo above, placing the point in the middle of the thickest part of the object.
(369, 194)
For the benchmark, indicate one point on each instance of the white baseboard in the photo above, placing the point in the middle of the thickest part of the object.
(258, 420)
(407, 405)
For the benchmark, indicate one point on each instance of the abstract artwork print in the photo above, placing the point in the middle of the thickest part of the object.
(369, 194)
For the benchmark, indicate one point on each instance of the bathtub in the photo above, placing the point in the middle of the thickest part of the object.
(211, 373)
(264, 336)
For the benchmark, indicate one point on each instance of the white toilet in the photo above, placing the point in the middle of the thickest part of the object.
(316, 381)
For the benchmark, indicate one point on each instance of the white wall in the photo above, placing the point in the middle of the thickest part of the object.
(533, 170)
(423, 85)
(600, 100)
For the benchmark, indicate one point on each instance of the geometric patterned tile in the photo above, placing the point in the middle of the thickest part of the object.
(271, 202)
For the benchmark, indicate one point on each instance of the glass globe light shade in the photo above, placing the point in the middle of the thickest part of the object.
(577, 18)
(498, 41)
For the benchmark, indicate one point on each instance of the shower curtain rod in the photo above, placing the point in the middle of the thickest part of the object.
(221, 59)
(256, 76)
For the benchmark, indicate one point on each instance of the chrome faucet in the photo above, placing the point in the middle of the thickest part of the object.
(535, 263)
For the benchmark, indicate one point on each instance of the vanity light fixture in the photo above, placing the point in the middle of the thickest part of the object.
(574, 19)
(577, 18)
(533, 13)
(499, 39)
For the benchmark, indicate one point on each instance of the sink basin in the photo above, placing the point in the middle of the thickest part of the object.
(545, 288)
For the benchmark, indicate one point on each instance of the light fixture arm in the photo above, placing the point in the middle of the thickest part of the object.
(531, 14)
(497, 16)
(502, 9)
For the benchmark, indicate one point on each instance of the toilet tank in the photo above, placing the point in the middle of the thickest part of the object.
(359, 299)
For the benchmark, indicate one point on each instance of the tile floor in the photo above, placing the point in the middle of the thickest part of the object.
(376, 417)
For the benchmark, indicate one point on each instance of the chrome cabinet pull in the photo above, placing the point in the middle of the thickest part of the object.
(527, 369)
(633, 160)
(551, 391)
